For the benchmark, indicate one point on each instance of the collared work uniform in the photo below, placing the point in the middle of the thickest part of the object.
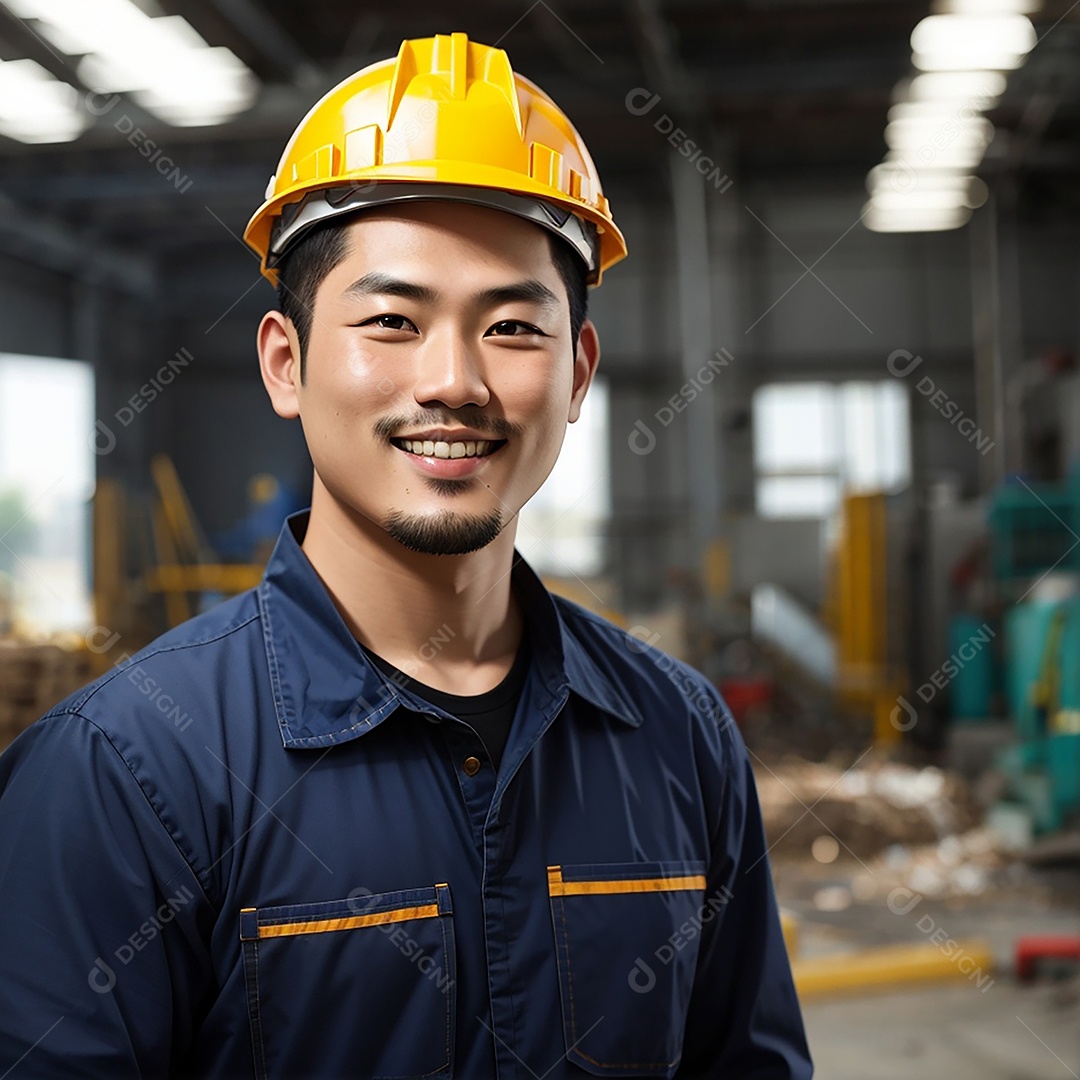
(248, 853)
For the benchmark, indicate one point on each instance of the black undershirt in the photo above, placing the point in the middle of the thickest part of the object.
(490, 713)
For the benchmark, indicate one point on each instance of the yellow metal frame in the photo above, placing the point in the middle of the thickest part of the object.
(888, 967)
(186, 565)
(885, 968)
(860, 610)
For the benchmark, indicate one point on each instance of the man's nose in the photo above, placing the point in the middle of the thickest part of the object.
(450, 370)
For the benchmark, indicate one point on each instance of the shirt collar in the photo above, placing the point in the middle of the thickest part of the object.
(327, 691)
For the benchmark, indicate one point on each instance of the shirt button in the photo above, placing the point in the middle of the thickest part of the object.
(471, 765)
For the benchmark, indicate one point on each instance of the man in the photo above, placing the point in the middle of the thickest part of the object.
(406, 814)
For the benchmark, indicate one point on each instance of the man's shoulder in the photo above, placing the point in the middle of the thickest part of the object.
(158, 719)
(172, 669)
(632, 657)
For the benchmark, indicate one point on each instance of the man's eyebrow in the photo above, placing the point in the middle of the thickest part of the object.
(530, 291)
(384, 284)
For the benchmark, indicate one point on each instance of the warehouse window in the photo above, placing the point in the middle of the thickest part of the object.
(561, 528)
(46, 482)
(814, 440)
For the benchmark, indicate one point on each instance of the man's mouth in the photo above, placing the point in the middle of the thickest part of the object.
(466, 448)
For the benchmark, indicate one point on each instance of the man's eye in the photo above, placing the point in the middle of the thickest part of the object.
(390, 322)
(506, 328)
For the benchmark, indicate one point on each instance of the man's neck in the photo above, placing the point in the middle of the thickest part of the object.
(451, 621)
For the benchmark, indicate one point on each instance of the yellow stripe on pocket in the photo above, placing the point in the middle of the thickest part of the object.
(349, 922)
(558, 887)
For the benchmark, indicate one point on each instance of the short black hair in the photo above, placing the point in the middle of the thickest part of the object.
(305, 265)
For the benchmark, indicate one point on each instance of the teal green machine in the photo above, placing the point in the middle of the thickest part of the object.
(1042, 686)
(1036, 529)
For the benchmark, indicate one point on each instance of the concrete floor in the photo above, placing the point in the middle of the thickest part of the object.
(1003, 1030)
(953, 1032)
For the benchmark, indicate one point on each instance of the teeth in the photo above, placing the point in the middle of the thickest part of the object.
(428, 448)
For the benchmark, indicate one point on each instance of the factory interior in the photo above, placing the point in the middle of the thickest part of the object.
(831, 456)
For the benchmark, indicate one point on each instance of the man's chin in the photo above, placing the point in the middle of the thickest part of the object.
(447, 532)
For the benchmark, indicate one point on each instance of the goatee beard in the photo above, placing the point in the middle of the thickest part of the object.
(444, 533)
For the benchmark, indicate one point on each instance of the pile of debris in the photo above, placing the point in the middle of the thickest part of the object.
(33, 678)
(866, 808)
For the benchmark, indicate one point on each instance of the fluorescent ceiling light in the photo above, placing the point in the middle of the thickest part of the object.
(935, 113)
(975, 56)
(979, 88)
(888, 185)
(77, 27)
(940, 199)
(186, 87)
(938, 132)
(927, 156)
(898, 177)
(878, 219)
(985, 7)
(36, 107)
(161, 61)
(964, 42)
(165, 48)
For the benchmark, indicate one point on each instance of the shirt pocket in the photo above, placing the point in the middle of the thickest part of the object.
(626, 937)
(362, 987)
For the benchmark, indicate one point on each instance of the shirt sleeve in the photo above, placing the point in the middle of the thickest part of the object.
(102, 919)
(744, 1021)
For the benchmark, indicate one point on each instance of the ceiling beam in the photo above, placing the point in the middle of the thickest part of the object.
(56, 246)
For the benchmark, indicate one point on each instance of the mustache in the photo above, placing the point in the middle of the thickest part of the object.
(498, 427)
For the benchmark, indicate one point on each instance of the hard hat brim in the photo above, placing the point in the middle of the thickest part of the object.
(325, 204)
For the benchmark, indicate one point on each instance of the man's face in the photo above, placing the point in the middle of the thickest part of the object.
(440, 375)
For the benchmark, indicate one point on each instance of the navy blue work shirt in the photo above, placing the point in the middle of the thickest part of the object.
(246, 852)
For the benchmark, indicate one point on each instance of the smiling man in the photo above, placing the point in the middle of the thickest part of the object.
(443, 351)
(423, 818)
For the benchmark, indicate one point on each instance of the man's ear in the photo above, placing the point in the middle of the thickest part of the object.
(279, 363)
(585, 361)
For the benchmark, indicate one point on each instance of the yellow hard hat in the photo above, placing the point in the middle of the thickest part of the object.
(447, 118)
